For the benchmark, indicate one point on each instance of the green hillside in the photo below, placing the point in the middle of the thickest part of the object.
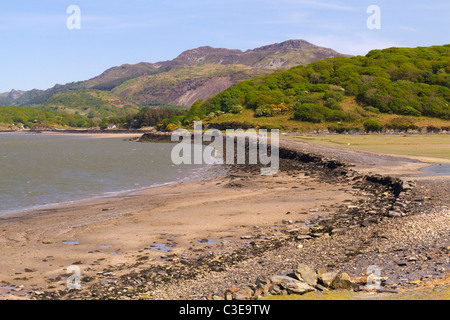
(401, 85)
(18, 117)
(90, 103)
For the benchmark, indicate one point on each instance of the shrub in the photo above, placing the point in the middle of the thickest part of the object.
(264, 111)
(372, 109)
(236, 109)
(309, 112)
(410, 111)
(372, 125)
(171, 127)
(402, 124)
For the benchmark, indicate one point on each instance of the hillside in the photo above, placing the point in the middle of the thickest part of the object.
(235, 66)
(13, 118)
(90, 103)
(184, 85)
(395, 86)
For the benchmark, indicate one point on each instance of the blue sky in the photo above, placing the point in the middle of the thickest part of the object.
(38, 50)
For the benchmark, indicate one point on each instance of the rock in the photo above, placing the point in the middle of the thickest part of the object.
(240, 296)
(321, 287)
(394, 214)
(400, 262)
(338, 230)
(342, 281)
(327, 278)
(306, 274)
(360, 280)
(248, 292)
(303, 237)
(262, 280)
(290, 284)
(299, 287)
(317, 234)
(281, 280)
(228, 295)
(275, 289)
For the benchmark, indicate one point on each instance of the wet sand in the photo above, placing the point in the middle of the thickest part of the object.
(39, 246)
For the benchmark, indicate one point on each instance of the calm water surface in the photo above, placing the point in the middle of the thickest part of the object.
(44, 170)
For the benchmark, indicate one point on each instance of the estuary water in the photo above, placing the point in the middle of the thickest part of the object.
(42, 170)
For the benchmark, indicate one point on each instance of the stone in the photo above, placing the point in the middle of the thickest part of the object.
(299, 287)
(338, 230)
(281, 280)
(342, 281)
(321, 287)
(275, 289)
(394, 214)
(306, 274)
(262, 280)
(400, 262)
(327, 278)
(241, 296)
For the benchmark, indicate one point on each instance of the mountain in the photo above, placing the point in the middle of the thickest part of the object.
(183, 85)
(284, 55)
(195, 74)
(8, 97)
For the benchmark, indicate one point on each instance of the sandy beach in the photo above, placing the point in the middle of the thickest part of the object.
(149, 232)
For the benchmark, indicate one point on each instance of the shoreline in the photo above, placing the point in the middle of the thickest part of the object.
(146, 235)
(116, 195)
(84, 133)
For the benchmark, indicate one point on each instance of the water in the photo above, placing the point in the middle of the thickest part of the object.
(438, 169)
(43, 170)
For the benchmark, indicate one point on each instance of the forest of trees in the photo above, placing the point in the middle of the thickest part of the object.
(147, 117)
(29, 117)
(404, 81)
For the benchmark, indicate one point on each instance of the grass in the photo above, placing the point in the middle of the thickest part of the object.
(285, 122)
(438, 289)
(425, 147)
(431, 294)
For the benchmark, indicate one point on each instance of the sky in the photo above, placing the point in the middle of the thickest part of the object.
(38, 49)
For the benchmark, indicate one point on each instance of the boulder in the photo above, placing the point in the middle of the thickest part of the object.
(299, 287)
(326, 278)
(306, 274)
(342, 281)
(291, 285)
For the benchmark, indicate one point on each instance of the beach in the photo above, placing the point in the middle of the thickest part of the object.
(193, 239)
